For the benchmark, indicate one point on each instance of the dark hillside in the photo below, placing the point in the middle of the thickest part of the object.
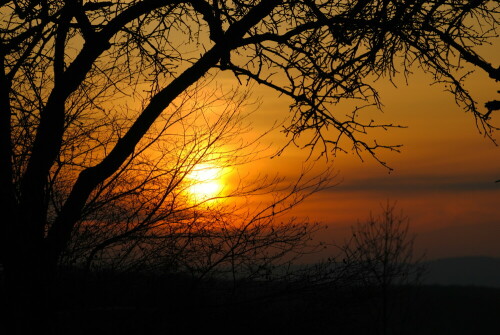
(110, 303)
(459, 310)
(467, 271)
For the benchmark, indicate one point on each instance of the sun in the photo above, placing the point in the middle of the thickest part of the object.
(205, 182)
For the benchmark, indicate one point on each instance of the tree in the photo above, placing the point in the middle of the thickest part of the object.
(380, 255)
(148, 216)
(65, 65)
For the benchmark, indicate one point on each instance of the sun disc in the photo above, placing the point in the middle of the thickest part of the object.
(205, 182)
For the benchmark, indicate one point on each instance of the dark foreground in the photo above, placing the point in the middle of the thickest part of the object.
(143, 304)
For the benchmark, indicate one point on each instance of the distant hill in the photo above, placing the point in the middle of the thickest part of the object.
(464, 271)
(460, 239)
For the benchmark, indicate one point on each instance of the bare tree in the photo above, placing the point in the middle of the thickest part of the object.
(380, 255)
(146, 216)
(102, 77)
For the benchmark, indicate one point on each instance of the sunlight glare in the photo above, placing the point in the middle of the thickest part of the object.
(206, 179)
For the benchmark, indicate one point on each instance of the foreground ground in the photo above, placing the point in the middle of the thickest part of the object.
(142, 304)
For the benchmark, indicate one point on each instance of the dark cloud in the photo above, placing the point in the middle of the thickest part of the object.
(418, 184)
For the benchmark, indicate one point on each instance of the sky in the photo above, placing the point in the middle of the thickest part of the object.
(443, 179)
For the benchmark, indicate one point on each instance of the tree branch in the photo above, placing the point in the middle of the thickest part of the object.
(89, 178)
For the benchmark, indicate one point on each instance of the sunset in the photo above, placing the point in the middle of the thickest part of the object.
(257, 166)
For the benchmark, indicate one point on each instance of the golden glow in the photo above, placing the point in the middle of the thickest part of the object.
(206, 182)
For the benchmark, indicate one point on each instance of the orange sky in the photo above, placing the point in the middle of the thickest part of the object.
(443, 179)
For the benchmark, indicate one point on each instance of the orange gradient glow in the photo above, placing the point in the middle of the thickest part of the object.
(443, 178)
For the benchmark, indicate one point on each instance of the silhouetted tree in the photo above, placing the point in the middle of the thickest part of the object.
(146, 217)
(380, 255)
(110, 72)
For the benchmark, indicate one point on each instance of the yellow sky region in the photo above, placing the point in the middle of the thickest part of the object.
(444, 177)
